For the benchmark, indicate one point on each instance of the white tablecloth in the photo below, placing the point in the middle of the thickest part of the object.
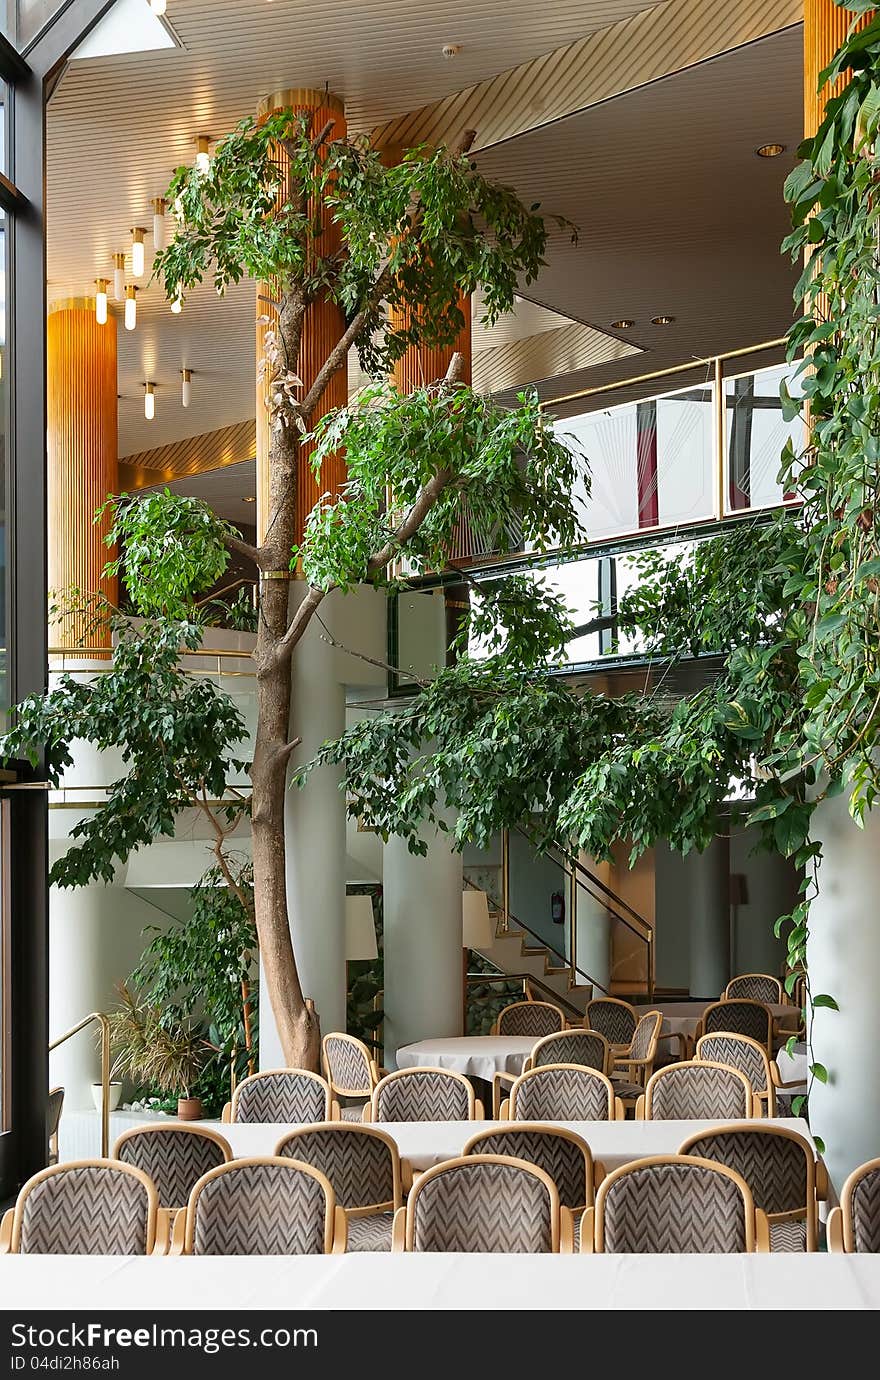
(793, 1068)
(424, 1143)
(769, 1283)
(477, 1056)
(683, 1017)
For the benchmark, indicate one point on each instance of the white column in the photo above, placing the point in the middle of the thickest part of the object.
(593, 935)
(844, 960)
(708, 900)
(423, 976)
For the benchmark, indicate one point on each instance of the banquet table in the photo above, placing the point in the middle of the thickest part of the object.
(767, 1283)
(424, 1143)
(476, 1056)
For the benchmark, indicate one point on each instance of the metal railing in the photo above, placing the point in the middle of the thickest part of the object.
(527, 980)
(105, 1069)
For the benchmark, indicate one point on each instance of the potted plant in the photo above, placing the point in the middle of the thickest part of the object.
(168, 1054)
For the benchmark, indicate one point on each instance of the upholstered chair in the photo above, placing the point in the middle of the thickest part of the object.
(741, 1016)
(281, 1095)
(531, 1018)
(562, 1092)
(424, 1094)
(268, 1205)
(566, 1157)
(671, 1204)
(53, 1121)
(755, 987)
(586, 1047)
(362, 1164)
(352, 1073)
(695, 1091)
(854, 1226)
(634, 1065)
(613, 1018)
(750, 1057)
(780, 1169)
(483, 1203)
(83, 1207)
(174, 1156)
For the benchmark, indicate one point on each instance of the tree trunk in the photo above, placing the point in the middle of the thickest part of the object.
(297, 1022)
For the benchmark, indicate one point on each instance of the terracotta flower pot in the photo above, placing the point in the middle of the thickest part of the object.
(189, 1108)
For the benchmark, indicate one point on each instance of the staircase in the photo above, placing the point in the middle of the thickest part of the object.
(517, 950)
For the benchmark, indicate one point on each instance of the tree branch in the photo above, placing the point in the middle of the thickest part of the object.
(327, 636)
(337, 356)
(243, 548)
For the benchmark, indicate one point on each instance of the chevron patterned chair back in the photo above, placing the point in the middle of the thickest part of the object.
(174, 1157)
(669, 1204)
(268, 1205)
(854, 1226)
(756, 987)
(633, 1065)
(53, 1121)
(586, 1047)
(560, 1153)
(614, 1019)
(749, 1056)
(424, 1094)
(482, 1203)
(695, 1091)
(287, 1095)
(561, 1092)
(84, 1207)
(535, 1018)
(362, 1164)
(742, 1016)
(780, 1169)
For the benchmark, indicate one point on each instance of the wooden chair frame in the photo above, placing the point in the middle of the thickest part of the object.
(810, 1210)
(765, 1100)
(561, 1219)
(514, 1005)
(615, 1106)
(335, 1217)
(168, 1212)
(643, 1106)
(354, 1128)
(725, 995)
(593, 1220)
(375, 1072)
(840, 1229)
(594, 1170)
(604, 1001)
(742, 1001)
(10, 1228)
(231, 1108)
(476, 1111)
(639, 1070)
(558, 1034)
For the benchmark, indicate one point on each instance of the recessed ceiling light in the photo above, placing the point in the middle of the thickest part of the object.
(622, 325)
(450, 50)
(247, 498)
(662, 320)
(770, 150)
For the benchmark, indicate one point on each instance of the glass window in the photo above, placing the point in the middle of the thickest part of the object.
(650, 462)
(23, 19)
(755, 433)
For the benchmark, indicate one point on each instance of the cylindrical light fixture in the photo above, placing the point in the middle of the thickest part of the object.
(203, 154)
(137, 251)
(101, 286)
(477, 930)
(159, 7)
(360, 929)
(149, 401)
(119, 277)
(160, 206)
(185, 386)
(177, 302)
(131, 307)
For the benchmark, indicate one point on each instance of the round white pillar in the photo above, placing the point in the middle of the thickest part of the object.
(843, 958)
(422, 942)
(708, 899)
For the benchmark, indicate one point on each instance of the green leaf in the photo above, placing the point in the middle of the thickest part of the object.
(824, 1000)
(820, 1072)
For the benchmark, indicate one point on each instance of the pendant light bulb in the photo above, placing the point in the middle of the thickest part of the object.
(203, 154)
(149, 401)
(137, 252)
(158, 7)
(160, 206)
(131, 307)
(119, 277)
(101, 285)
(186, 386)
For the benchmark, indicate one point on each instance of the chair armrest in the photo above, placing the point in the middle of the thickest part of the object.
(587, 1229)
(479, 1110)
(599, 1173)
(762, 1232)
(640, 1108)
(367, 1113)
(335, 1110)
(834, 1231)
(679, 1038)
(619, 1110)
(178, 1237)
(226, 1114)
(340, 1231)
(6, 1231)
(566, 1231)
(777, 1078)
(497, 1080)
(821, 1179)
(406, 1175)
(398, 1231)
(504, 1110)
(165, 1218)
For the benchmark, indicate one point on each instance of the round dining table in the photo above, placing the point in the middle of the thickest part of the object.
(683, 1017)
(476, 1056)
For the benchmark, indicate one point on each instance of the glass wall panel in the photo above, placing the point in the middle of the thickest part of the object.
(22, 20)
(755, 433)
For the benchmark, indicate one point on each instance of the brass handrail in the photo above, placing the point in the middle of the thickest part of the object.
(476, 979)
(105, 1069)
